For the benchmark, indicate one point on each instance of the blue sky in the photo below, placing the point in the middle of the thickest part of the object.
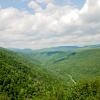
(22, 4)
(13, 3)
(77, 3)
(45, 23)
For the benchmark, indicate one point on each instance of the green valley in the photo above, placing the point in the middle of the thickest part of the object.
(60, 73)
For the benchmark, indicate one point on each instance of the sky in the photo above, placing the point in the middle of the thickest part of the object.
(47, 23)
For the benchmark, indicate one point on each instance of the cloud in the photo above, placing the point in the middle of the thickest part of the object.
(90, 12)
(45, 1)
(52, 26)
(34, 5)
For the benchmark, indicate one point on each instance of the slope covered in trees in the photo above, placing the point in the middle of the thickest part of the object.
(23, 77)
(82, 63)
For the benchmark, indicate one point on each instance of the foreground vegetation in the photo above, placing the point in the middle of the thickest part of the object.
(21, 79)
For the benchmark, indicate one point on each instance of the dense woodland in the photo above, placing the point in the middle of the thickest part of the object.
(25, 78)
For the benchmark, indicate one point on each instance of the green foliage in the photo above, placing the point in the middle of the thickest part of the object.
(83, 64)
(22, 79)
(19, 79)
(85, 90)
(2, 97)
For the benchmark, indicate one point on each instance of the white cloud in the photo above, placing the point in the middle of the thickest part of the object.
(91, 11)
(34, 5)
(45, 1)
(55, 25)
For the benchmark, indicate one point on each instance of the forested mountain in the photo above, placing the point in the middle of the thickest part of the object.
(20, 79)
(50, 75)
(80, 62)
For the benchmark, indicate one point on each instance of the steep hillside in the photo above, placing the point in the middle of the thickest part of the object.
(77, 62)
(47, 55)
(83, 63)
(21, 79)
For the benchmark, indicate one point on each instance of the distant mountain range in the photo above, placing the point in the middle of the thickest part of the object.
(21, 50)
(93, 46)
(53, 49)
